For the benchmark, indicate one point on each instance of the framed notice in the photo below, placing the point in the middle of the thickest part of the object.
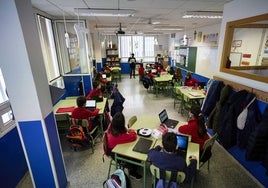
(236, 43)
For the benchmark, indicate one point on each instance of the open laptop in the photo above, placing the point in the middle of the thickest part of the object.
(170, 123)
(143, 145)
(182, 143)
(91, 104)
(104, 76)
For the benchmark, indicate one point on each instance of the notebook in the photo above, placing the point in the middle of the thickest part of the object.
(143, 145)
(182, 143)
(91, 104)
(195, 94)
(170, 123)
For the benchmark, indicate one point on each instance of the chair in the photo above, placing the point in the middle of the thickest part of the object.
(206, 153)
(92, 135)
(155, 171)
(186, 105)
(131, 121)
(63, 123)
(178, 99)
(116, 75)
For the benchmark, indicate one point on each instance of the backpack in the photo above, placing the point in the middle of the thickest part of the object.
(118, 179)
(76, 136)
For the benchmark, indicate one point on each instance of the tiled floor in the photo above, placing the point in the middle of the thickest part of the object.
(87, 170)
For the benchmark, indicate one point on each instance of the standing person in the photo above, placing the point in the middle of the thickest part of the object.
(167, 157)
(196, 127)
(118, 133)
(82, 113)
(132, 64)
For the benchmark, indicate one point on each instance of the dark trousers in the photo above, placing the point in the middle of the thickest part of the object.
(132, 70)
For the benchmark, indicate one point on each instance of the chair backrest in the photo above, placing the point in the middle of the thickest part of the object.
(155, 171)
(83, 122)
(131, 121)
(207, 148)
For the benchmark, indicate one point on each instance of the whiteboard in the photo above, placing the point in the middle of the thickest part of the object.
(235, 58)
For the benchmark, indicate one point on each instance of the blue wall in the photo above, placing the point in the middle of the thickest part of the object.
(13, 163)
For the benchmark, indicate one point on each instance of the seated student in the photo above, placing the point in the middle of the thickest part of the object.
(196, 127)
(189, 80)
(119, 134)
(141, 72)
(167, 157)
(82, 113)
(96, 91)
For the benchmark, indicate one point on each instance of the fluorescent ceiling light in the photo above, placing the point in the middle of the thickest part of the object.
(168, 28)
(106, 12)
(105, 28)
(204, 14)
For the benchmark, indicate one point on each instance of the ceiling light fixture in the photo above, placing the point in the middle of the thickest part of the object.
(168, 28)
(203, 14)
(106, 12)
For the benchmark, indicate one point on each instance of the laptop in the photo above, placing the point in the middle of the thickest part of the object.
(143, 145)
(91, 104)
(104, 76)
(170, 123)
(182, 143)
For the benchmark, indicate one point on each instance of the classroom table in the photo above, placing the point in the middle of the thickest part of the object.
(70, 102)
(162, 81)
(190, 95)
(124, 152)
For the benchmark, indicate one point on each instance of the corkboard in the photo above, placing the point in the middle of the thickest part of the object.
(260, 95)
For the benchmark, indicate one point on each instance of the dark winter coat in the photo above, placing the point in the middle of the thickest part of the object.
(213, 117)
(257, 143)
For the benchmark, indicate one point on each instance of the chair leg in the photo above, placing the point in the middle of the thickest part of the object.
(109, 168)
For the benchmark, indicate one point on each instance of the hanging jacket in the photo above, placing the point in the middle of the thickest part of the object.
(252, 120)
(212, 97)
(227, 124)
(117, 105)
(213, 117)
(257, 142)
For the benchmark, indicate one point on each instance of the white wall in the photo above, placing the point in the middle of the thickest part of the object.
(206, 58)
(236, 10)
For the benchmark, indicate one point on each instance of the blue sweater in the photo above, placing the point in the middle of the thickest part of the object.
(172, 162)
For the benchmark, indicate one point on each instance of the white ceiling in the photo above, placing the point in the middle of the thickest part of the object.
(167, 12)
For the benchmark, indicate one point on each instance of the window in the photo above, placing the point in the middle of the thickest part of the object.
(48, 47)
(141, 46)
(7, 121)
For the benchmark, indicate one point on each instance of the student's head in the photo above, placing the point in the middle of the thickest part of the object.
(118, 124)
(169, 141)
(188, 76)
(95, 84)
(81, 101)
(196, 113)
(132, 54)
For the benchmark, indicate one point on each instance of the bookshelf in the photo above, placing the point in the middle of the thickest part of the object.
(112, 58)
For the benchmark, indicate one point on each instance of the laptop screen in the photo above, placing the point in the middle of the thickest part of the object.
(182, 142)
(103, 76)
(163, 116)
(91, 104)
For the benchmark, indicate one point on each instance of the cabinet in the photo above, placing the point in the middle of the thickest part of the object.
(112, 58)
(186, 58)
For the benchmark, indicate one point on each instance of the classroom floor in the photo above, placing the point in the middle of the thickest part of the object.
(87, 170)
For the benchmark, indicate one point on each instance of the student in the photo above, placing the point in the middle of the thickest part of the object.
(96, 91)
(196, 127)
(141, 71)
(189, 80)
(82, 113)
(167, 158)
(132, 64)
(119, 134)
